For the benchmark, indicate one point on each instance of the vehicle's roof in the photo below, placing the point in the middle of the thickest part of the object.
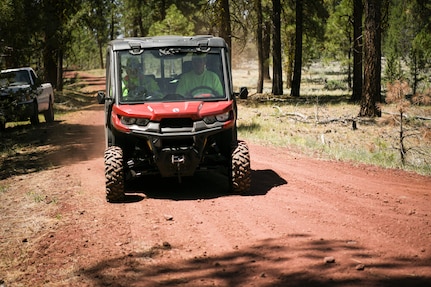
(167, 41)
(16, 69)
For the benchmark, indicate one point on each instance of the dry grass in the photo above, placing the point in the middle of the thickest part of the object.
(320, 123)
(326, 131)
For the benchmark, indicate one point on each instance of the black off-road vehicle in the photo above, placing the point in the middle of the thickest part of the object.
(167, 118)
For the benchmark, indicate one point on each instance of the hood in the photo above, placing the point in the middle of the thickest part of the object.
(159, 110)
(10, 90)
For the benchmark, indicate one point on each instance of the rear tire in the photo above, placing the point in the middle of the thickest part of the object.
(34, 119)
(114, 174)
(240, 170)
(49, 114)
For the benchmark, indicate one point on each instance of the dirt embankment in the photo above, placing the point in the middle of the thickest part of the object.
(306, 222)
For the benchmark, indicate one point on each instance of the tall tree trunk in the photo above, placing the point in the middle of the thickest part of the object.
(415, 70)
(349, 67)
(100, 46)
(50, 66)
(357, 51)
(51, 39)
(277, 80)
(372, 60)
(290, 59)
(60, 70)
(163, 9)
(260, 58)
(225, 29)
(296, 81)
(112, 31)
(266, 38)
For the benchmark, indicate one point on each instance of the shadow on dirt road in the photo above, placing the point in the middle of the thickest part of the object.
(27, 149)
(262, 264)
(201, 186)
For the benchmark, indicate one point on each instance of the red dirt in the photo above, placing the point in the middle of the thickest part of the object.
(307, 222)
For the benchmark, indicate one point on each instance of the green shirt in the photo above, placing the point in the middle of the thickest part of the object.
(146, 85)
(191, 80)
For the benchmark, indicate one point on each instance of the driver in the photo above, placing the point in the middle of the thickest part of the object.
(199, 76)
(135, 83)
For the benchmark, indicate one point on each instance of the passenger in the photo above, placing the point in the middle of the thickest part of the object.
(136, 84)
(193, 83)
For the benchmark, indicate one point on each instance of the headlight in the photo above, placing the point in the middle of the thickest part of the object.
(142, 122)
(128, 121)
(223, 117)
(217, 118)
(25, 98)
(210, 120)
(132, 121)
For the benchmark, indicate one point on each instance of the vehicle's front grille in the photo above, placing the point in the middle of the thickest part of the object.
(6, 102)
(176, 123)
(177, 143)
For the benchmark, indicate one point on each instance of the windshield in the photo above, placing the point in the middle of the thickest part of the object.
(171, 75)
(15, 78)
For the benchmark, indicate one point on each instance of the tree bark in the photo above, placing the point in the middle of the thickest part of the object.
(60, 70)
(266, 45)
(372, 60)
(258, 7)
(51, 41)
(225, 29)
(277, 80)
(290, 42)
(101, 55)
(296, 81)
(357, 51)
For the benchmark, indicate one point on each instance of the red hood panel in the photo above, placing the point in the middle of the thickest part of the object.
(157, 111)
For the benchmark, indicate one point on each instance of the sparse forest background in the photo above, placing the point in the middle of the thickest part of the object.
(376, 42)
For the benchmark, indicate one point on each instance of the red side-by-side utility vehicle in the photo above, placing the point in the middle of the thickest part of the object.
(171, 110)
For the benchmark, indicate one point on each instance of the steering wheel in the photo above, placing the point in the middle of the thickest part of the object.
(154, 95)
(137, 93)
(212, 93)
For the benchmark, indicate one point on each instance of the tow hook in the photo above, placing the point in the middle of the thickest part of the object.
(178, 160)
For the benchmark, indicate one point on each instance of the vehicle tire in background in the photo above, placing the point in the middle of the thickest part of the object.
(34, 119)
(49, 114)
(114, 174)
(240, 171)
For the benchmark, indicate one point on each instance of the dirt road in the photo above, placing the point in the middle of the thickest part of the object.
(307, 222)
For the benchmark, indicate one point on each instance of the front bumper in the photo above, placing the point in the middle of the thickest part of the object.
(176, 152)
(11, 110)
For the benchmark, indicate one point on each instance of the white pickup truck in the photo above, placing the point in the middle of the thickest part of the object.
(23, 97)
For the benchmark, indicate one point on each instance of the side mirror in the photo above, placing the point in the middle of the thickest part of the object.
(243, 93)
(101, 97)
(37, 82)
